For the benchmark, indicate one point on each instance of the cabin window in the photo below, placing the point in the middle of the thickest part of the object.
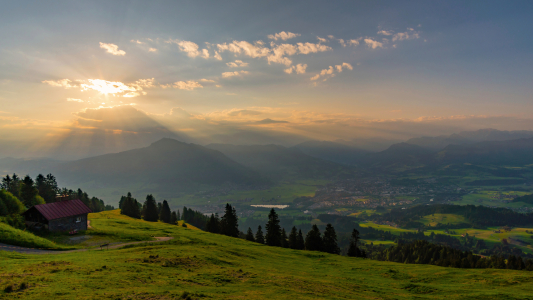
(78, 219)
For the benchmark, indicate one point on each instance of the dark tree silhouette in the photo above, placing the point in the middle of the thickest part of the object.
(213, 224)
(151, 213)
(313, 240)
(259, 238)
(284, 239)
(165, 214)
(250, 235)
(301, 243)
(273, 230)
(293, 238)
(330, 240)
(229, 224)
(353, 249)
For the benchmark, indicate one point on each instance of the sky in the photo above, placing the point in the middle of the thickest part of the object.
(102, 76)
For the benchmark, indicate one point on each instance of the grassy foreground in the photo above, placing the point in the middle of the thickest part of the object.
(17, 237)
(217, 267)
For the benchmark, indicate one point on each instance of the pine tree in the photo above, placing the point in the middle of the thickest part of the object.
(300, 242)
(213, 224)
(165, 213)
(353, 250)
(179, 216)
(229, 224)
(259, 238)
(293, 238)
(273, 230)
(250, 235)
(173, 218)
(313, 240)
(151, 213)
(284, 240)
(330, 240)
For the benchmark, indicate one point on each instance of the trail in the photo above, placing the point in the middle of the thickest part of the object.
(25, 250)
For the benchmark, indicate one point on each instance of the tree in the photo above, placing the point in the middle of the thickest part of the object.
(12, 185)
(301, 243)
(330, 240)
(179, 216)
(165, 213)
(273, 230)
(293, 238)
(173, 218)
(284, 240)
(150, 209)
(313, 240)
(250, 235)
(259, 238)
(353, 250)
(9, 204)
(229, 224)
(213, 224)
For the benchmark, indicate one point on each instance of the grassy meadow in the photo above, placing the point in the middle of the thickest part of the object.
(198, 265)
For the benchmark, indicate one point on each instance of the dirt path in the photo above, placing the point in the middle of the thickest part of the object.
(24, 250)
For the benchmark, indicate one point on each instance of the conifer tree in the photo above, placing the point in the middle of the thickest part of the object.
(173, 218)
(284, 240)
(151, 213)
(273, 230)
(313, 240)
(259, 238)
(213, 224)
(250, 235)
(179, 216)
(229, 224)
(165, 213)
(330, 240)
(293, 238)
(353, 250)
(301, 243)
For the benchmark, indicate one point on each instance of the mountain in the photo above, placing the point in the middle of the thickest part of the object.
(469, 137)
(23, 166)
(279, 162)
(399, 155)
(332, 151)
(168, 167)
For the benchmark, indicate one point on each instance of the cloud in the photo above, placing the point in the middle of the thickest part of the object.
(279, 53)
(244, 112)
(283, 36)
(385, 32)
(329, 72)
(322, 40)
(299, 68)
(152, 50)
(342, 42)
(345, 65)
(233, 74)
(237, 63)
(373, 44)
(74, 100)
(244, 47)
(190, 48)
(408, 35)
(306, 48)
(206, 80)
(354, 42)
(270, 121)
(217, 56)
(112, 48)
(218, 86)
(64, 83)
(205, 53)
(137, 42)
(187, 85)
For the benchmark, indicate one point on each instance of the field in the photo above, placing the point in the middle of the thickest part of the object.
(197, 265)
(490, 198)
(17, 237)
(433, 220)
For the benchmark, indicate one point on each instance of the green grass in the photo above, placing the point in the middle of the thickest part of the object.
(217, 267)
(17, 237)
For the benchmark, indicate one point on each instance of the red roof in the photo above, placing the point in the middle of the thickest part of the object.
(63, 209)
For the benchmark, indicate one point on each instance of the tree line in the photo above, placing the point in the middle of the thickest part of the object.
(154, 211)
(276, 236)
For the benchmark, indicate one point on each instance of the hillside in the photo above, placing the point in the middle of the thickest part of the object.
(279, 162)
(168, 166)
(332, 151)
(198, 265)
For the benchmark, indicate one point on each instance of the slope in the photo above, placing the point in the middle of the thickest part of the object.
(332, 151)
(198, 265)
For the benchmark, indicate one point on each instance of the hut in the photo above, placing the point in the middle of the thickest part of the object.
(58, 216)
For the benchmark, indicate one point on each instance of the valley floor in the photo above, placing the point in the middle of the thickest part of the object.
(217, 267)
